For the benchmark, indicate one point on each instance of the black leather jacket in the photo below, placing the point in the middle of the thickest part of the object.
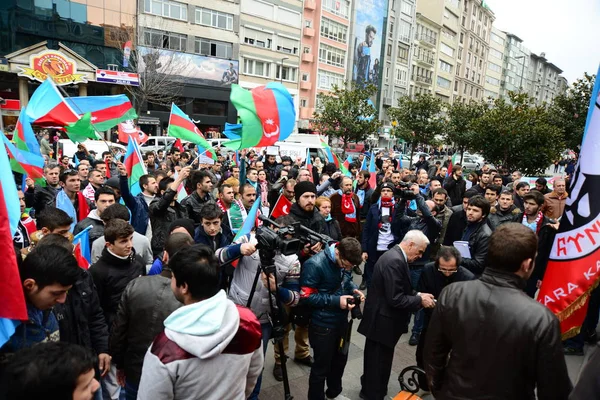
(193, 205)
(146, 302)
(479, 242)
(162, 214)
(487, 339)
(39, 197)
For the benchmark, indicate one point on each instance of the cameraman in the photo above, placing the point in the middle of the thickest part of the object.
(327, 287)
(305, 212)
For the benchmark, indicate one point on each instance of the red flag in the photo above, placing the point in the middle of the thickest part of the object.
(178, 145)
(281, 207)
(573, 269)
(127, 129)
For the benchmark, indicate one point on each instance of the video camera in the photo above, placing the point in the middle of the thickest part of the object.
(279, 240)
(404, 191)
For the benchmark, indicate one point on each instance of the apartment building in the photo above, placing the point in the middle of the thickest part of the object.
(445, 14)
(515, 65)
(270, 43)
(398, 54)
(543, 77)
(196, 43)
(476, 25)
(324, 58)
(495, 61)
(425, 44)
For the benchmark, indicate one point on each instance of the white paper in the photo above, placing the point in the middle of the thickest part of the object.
(463, 248)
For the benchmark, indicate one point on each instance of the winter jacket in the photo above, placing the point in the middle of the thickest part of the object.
(313, 220)
(39, 197)
(332, 229)
(80, 317)
(479, 240)
(241, 286)
(456, 225)
(145, 304)
(210, 350)
(426, 223)
(322, 283)
(272, 171)
(367, 192)
(162, 214)
(349, 229)
(137, 206)
(111, 275)
(422, 165)
(141, 245)
(489, 327)
(97, 226)
(223, 238)
(497, 216)
(554, 205)
(456, 189)
(193, 205)
(370, 233)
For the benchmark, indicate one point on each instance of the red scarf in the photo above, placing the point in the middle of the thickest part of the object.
(107, 169)
(538, 221)
(83, 209)
(348, 208)
(386, 202)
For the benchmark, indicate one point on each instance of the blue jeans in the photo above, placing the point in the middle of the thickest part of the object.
(415, 275)
(266, 335)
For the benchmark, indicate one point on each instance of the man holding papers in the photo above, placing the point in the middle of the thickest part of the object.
(477, 234)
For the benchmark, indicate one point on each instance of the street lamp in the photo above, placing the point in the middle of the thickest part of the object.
(281, 69)
(522, 71)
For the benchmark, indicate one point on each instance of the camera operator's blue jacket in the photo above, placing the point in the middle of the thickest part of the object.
(322, 282)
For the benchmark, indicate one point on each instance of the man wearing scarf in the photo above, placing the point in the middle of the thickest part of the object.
(364, 192)
(379, 234)
(234, 210)
(345, 208)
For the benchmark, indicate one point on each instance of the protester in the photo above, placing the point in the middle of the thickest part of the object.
(104, 198)
(504, 211)
(50, 371)
(521, 189)
(139, 205)
(332, 226)
(202, 194)
(526, 356)
(210, 348)
(556, 200)
(455, 185)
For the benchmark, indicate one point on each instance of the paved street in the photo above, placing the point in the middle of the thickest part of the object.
(404, 356)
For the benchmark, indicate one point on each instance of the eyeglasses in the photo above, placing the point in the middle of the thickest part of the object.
(448, 271)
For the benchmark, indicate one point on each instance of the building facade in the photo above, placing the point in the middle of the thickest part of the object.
(543, 77)
(270, 43)
(476, 25)
(495, 60)
(196, 44)
(325, 46)
(515, 66)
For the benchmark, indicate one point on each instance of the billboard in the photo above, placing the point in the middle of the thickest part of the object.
(370, 18)
(189, 68)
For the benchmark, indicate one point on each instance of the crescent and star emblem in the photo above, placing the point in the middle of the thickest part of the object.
(270, 122)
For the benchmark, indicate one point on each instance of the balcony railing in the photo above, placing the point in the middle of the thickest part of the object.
(427, 39)
(421, 79)
(426, 60)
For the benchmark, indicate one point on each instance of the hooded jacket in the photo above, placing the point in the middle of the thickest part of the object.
(97, 226)
(497, 217)
(210, 350)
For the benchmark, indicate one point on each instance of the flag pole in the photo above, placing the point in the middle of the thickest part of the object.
(64, 92)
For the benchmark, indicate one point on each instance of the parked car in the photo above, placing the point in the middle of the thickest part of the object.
(418, 155)
(471, 163)
(67, 148)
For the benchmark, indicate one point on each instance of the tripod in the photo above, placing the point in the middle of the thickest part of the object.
(267, 266)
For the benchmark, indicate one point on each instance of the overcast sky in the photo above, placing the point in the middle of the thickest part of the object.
(567, 31)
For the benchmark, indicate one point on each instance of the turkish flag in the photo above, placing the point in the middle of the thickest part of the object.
(127, 129)
(177, 145)
(281, 208)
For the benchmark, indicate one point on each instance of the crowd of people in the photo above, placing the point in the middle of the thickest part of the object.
(177, 305)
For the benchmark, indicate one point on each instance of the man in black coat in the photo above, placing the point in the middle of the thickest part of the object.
(387, 311)
(435, 276)
(455, 185)
(490, 328)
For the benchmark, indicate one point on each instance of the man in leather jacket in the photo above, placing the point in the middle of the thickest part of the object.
(488, 339)
(477, 234)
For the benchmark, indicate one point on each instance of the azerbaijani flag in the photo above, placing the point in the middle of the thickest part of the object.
(135, 167)
(267, 113)
(106, 111)
(363, 166)
(47, 107)
(250, 221)
(182, 127)
(82, 130)
(23, 161)
(333, 158)
(347, 165)
(13, 308)
(233, 131)
(81, 248)
(308, 164)
(25, 138)
(373, 172)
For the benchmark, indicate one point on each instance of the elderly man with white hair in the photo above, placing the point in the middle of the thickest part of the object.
(387, 311)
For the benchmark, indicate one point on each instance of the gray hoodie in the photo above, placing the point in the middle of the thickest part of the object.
(208, 350)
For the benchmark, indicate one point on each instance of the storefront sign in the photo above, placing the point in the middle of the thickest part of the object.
(3, 64)
(10, 104)
(59, 67)
(117, 77)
